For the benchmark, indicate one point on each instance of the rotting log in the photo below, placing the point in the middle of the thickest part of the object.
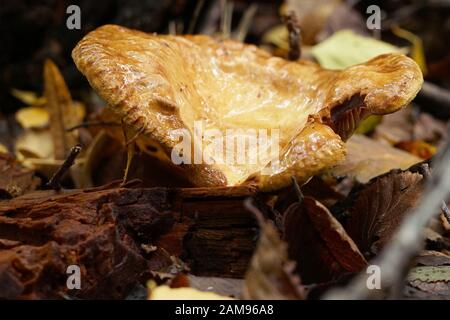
(107, 233)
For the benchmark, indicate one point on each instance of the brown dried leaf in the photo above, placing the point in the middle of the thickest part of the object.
(270, 274)
(319, 243)
(432, 258)
(61, 109)
(379, 208)
(367, 158)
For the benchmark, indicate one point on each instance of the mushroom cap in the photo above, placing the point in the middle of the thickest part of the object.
(161, 84)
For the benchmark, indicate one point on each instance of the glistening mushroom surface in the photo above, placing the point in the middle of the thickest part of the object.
(159, 83)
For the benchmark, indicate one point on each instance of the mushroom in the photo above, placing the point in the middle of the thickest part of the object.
(159, 85)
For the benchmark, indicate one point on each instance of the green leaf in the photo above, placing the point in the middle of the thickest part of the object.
(346, 48)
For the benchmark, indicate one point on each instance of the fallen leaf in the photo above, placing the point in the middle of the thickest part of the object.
(3, 149)
(404, 126)
(270, 274)
(318, 243)
(62, 112)
(367, 158)
(379, 208)
(165, 292)
(429, 129)
(418, 148)
(417, 51)
(28, 97)
(395, 127)
(368, 125)
(346, 48)
(432, 258)
(430, 279)
(32, 117)
(34, 144)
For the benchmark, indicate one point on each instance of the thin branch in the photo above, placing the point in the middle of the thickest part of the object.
(244, 24)
(55, 181)
(297, 189)
(194, 19)
(226, 18)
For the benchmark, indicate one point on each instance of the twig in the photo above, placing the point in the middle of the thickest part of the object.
(195, 16)
(295, 38)
(297, 189)
(245, 22)
(394, 260)
(226, 18)
(92, 123)
(435, 94)
(427, 174)
(172, 27)
(55, 181)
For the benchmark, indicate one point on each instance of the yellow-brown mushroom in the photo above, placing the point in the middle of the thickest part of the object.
(158, 84)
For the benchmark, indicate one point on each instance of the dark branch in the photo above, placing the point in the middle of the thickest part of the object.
(55, 181)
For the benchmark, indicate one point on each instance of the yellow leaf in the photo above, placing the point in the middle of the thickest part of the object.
(3, 149)
(61, 110)
(34, 144)
(165, 292)
(28, 97)
(368, 124)
(367, 158)
(346, 48)
(417, 51)
(32, 117)
(278, 36)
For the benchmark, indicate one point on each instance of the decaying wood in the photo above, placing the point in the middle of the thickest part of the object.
(107, 233)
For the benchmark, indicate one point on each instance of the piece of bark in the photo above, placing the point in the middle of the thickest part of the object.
(103, 230)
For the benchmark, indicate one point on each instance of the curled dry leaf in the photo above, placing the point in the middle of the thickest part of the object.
(158, 84)
(380, 206)
(367, 158)
(270, 274)
(318, 243)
